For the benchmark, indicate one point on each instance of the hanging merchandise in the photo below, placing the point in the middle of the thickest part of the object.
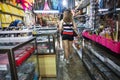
(54, 4)
(13, 2)
(88, 10)
(94, 19)
(101, 5)
(25, 3)
(71, 4)
(0, 6)
(3, 18)
(118, 3)
(46, 7)
(60, 5)
(21, 12)
(0, 21)
(4, 7)
(8, 18)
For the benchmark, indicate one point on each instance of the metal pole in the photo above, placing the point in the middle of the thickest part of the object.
(116, 21)
(36, 50)
(12, 63)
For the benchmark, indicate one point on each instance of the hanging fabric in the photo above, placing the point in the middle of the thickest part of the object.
(46, 7)
(25, 3)
(101, 5)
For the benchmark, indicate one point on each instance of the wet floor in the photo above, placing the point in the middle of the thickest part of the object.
(75, 70)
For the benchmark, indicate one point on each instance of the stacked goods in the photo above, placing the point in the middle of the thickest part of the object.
(10, 13)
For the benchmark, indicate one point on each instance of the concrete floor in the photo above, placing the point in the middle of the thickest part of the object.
(73, 71)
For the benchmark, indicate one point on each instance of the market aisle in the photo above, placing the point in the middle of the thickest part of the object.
(74, 71)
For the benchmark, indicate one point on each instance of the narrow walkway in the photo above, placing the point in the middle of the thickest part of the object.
(73, 71)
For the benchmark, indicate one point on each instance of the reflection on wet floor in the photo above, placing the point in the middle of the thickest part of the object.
(75, 70)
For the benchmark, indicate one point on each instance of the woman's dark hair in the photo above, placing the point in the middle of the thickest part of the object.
(61, 16)
(68, 10)
(67, 15)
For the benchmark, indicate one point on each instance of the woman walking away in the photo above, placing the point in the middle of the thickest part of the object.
(67, 27)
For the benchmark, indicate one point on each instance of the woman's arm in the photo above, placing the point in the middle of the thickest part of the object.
(60, 26)
(75, 28)
(74, 25)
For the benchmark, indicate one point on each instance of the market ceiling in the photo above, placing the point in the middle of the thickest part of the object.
(27, 3)
(82, 4)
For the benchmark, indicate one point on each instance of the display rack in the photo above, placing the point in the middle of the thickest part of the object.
(100, 54)
(100, 64)
(112, 45)
(14, 6)
(20, 56)
(6, 11)
(10, 14)
(15, 35)
(46, 40)
(110, 12)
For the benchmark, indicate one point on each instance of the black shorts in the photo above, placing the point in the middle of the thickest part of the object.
(67, 37)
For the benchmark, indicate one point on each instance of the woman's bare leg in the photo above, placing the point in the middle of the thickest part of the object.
(70, 48)
(66, 49)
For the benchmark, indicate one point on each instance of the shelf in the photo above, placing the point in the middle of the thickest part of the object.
(107, 43)
(41, 41)
(11, 14)
(2, 48)
(3, 67)
(46, 41)
(102, 10)
(88, 65)
(14, 6)
(115, 64)
(51, 32)
(22, 57)
(15, 39)
(78, 51)
(16, 31)
(46, 11)
(18, 58)
(5, 23)
(107, 11)
(103, 70)
(107, 65)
